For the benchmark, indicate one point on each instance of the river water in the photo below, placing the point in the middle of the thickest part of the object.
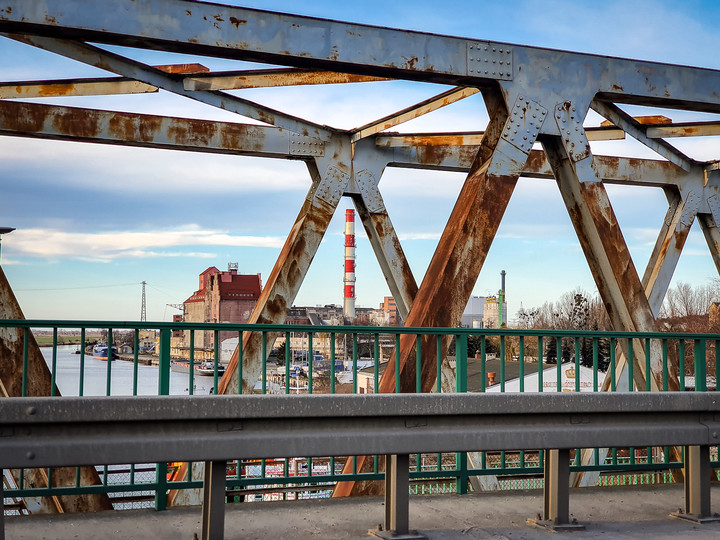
(95, 376)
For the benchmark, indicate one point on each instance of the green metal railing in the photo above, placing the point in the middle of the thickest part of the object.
(524, 352)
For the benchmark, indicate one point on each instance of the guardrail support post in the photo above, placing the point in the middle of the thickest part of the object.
(213, 507)
(397, 500)
(556, 493)
(697, 486)
(2, 505)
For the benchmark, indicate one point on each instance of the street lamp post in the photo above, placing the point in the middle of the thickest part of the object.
(6, 230)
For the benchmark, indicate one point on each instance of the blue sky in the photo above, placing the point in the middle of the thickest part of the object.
(94, 221)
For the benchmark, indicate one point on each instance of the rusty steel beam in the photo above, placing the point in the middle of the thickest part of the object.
(460, 253)
(233, 80)
(97, 86)
(269, 78)
(73, 87)
(368, 166)
(613, 170)
(129, 68)
(638, 131)
(412, 112)
(37, 382)
(684, 129)
(330, 177)
(601, 238)
(656, 281)
(149, 131)
(668, 247)
(286, 277)
(392, 140)
(710, 230)
(290, 40)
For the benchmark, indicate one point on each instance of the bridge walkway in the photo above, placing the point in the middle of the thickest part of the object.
(607, 513)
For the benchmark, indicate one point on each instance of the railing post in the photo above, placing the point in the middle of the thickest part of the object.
(213, 506)
(697, 485)
(556, 493)
(699, 353)
(461, 363)
(397, 500)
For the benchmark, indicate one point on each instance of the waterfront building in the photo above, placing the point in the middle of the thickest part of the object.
(221, 297)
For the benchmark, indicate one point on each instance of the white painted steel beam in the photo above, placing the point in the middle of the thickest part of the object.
(269, 78)
(412, 112)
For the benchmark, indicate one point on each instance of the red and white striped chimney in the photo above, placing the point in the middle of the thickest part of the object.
(349, 279)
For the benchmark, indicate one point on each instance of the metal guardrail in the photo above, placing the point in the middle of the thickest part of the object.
(51, 432)
(695, 354)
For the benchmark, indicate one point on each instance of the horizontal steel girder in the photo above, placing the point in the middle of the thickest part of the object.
(106, 430)
(150, 131)
(261, 36)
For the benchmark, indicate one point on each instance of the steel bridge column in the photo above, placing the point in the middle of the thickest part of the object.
(330, 179)
(467, 238)
(599, 234)
(656, 280)
(38, 381)
(710, 230)
(369, 163)
(464, 244)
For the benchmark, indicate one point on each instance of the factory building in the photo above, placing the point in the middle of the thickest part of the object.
(221, 297)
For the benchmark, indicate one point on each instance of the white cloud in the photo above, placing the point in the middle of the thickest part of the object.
(103, 247)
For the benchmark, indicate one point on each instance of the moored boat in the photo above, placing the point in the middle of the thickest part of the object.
(201, 368)
(100, 351)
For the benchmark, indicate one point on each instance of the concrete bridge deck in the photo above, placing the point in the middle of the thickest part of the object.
(607, 513)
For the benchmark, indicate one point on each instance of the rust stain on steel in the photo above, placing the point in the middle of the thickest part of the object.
(450, 277)
(264, 78)
(280, 290)
(186, 69)
(278, 293)
(237, 22)
(123, 127)
(12, 344)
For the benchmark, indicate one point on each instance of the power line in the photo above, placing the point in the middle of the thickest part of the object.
(81, 288)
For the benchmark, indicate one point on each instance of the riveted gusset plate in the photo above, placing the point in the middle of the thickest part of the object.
(301, 145)
(573, 136)
(490, 60)
(524, 123)
(332, 186)
(692, 205)
(713, 202)
(367, 185)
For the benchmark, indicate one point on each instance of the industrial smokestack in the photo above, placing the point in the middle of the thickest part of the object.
(502, 281)
(349, 279)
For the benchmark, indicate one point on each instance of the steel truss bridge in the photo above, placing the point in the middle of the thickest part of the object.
(534, 96)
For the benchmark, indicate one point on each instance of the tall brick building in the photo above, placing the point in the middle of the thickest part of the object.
(221, 297)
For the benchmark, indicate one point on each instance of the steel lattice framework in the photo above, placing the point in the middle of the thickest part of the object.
(533, 95)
